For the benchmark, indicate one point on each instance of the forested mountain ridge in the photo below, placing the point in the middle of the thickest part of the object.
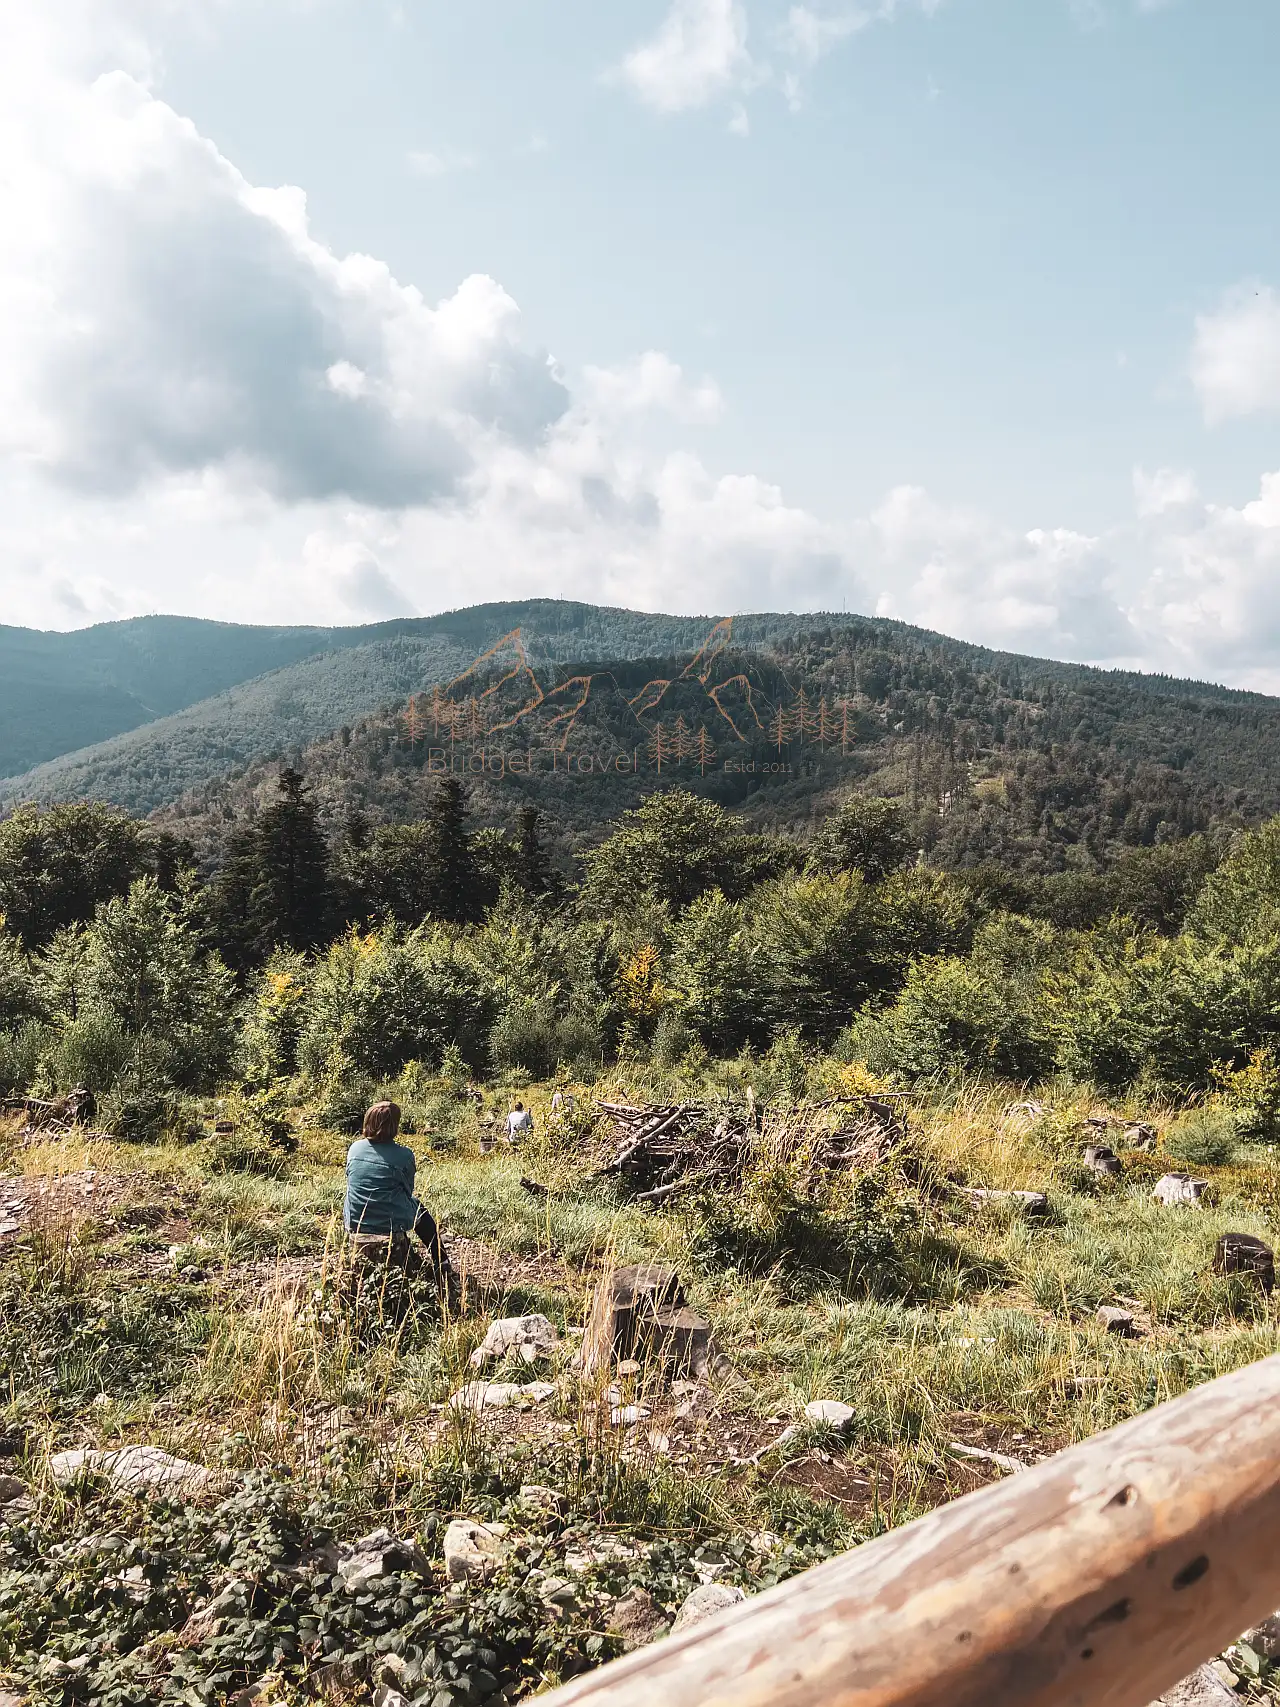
(1000, 757)
(1038, 766)
(133, 712)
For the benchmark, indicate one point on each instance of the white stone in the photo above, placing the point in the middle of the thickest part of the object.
(601, 1550)
(1179, 1188)
(136, 1468)
(500, 1395)
(473, 1551)
(981, 1455)
(533, 1493)
(705, 1602)
(1204, 1688)
(532, 1336)
(829, 1411)
(1033, 1202)
(627, 1416)
(379, 1554)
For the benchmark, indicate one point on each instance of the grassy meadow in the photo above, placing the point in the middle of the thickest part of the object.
(154, 1293)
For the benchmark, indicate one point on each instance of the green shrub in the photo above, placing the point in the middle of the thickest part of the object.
(526, 1039)
(1205, 1138)
(21, 1051)
(94, 1050)
(391, 997)
(262, 1137)
(672, 1039)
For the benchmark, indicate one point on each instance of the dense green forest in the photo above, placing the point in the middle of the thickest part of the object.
(892, 1205)
(681, 930)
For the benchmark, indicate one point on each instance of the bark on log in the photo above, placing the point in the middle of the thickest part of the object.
(1097, 1579)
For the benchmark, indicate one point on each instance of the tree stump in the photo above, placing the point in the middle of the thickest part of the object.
(1242, 1253)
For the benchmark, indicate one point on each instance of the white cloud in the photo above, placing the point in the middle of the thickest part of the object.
(188, 378)
(808, 35)
(698, 54)
(1235, 359)
(160, 315)
(1164, 490)
(433, 163)
(651, 382)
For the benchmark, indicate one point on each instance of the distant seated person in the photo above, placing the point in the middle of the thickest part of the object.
(519, 1122)
(380, 1212)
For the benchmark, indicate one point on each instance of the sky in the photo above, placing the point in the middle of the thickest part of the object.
(965, 312)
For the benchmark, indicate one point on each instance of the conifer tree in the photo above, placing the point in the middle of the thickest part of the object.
(456, 890)
(290, 894)
(534, 871)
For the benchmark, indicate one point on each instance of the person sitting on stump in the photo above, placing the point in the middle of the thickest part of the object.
(380, 1211)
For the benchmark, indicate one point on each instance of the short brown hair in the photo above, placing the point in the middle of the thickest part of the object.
(381, 1122)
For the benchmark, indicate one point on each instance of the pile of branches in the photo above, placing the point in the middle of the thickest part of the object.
(58, 1117)
(660, 1149)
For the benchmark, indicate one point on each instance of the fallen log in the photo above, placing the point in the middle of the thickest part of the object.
(1098, 1578)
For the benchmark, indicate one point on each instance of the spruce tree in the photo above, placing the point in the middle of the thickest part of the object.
(290, 896)
(456, 887)
(534, 871)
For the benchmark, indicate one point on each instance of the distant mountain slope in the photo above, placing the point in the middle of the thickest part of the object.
(119, 679)
(63, 691)
(1001, 756)
(1034, 764)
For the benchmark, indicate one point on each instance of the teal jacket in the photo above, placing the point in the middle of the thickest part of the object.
(380, 1188)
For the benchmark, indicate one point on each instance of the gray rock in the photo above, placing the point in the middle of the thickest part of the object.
(636, 1617)
(705, 1602)
(1264, 1638)
(1204, 1688)
(559, 1596)
(1138, 1135)
(11, 1488)
(1116, 1321)
(1032, 1203)
(531, 1337)
(1179, 1188)
(380, 1554)
(546, 1499)
(500, 1395)
(473, 1551)
(138, 1469)
(829, 1411)
(1101, 1158)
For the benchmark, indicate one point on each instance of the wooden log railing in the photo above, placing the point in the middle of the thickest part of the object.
(1097, 1579)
